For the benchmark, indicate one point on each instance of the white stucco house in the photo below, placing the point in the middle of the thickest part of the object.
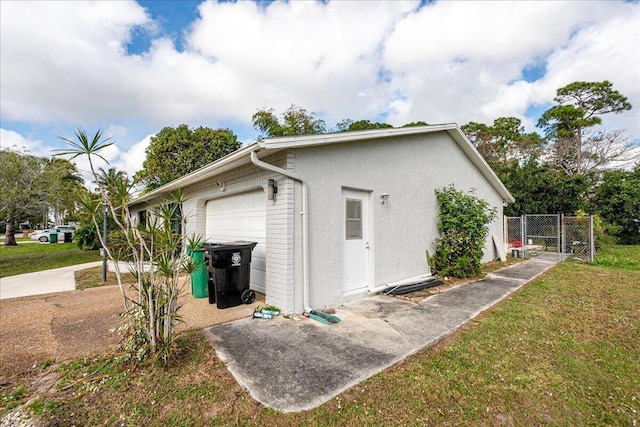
(336, 216)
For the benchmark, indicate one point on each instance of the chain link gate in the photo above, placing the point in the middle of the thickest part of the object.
(514, 235)
(577, 238)
(536, 234)
(542, 234)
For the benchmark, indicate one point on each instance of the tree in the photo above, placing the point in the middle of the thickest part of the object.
(64, 186)
(566, 125)
(175, 152)
(349, 125)
(21, 194)
(295, 121)
(539, 188)
(418, 123)
(504, 141)
(617, 201)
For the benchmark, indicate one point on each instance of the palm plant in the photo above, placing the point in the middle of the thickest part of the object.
(155, 248)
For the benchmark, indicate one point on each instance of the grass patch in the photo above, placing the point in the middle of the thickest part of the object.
(619, 256)
(92, 278)
(29, 258)
(563, 350)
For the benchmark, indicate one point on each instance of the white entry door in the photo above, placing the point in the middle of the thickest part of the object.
(355, 242)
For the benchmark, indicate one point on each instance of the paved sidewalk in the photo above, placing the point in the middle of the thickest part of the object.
(42, 282)
(297, 365)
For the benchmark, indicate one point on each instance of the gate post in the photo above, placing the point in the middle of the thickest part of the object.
(592, 248)
(561, 238)
(523, 235)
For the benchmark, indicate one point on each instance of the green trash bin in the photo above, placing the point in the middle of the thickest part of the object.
(200, 276)
(53, 237)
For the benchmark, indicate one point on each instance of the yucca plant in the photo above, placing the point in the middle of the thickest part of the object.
(155, 250)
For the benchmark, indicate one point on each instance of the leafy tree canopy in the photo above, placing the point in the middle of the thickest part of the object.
(539, 188)
(617, 200)
(295, 121)
(349, 125)
(64, 186)
(21, 194)
(580, 105)
(418, 123)
(175, 152)
(504, 141)
(31, 187)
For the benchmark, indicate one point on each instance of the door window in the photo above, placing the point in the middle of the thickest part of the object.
(353, 219)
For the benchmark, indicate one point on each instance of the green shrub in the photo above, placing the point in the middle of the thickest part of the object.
(86, 237)
(463, 230)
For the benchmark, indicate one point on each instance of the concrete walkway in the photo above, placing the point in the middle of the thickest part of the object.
(294, 365)
(42, 282)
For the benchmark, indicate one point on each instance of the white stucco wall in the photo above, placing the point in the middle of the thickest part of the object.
(408, 169)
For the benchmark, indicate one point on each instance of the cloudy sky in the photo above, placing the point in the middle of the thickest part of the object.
(132, 68)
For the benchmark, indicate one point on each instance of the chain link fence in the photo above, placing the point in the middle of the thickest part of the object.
(536, 234)
(514, 235)
(577, 238)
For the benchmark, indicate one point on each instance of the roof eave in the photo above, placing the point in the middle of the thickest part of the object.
(224, 164)
(242, 156)
(300, 141)
(484, 168)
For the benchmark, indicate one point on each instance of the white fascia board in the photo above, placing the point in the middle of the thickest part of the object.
(224, 164)
(350, 136)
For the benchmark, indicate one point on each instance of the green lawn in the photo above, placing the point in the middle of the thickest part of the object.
(563, 350)
(624, 257)
(30, 257)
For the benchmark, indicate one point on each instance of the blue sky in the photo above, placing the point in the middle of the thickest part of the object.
(173, 18)
(131, 68)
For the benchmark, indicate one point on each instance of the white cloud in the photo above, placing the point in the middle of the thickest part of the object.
(11, 140)
(462, 61)
(60, 60)
(607, 50)
(65, 62)
(131, 160)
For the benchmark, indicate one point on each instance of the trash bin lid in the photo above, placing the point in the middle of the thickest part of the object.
(222, 246)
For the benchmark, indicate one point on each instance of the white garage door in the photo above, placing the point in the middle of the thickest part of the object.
(241, 217)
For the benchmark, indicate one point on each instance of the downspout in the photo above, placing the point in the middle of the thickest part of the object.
(305, 223)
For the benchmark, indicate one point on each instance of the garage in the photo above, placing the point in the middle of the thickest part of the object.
(241, 217)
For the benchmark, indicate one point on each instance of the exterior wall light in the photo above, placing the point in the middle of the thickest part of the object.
(272, 189)
(384, 198)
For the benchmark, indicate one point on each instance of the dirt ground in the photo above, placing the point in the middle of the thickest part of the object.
(66, 325)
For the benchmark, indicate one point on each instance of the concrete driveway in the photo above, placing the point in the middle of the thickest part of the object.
(294, 365)
(57, 326)
(42, 282)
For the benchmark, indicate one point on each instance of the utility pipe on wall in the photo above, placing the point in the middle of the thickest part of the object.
(305, 223)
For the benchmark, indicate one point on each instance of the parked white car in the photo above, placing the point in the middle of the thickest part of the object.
(66, 228)
(43, 235)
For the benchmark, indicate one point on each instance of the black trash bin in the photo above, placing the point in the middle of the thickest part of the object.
(229, 267)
